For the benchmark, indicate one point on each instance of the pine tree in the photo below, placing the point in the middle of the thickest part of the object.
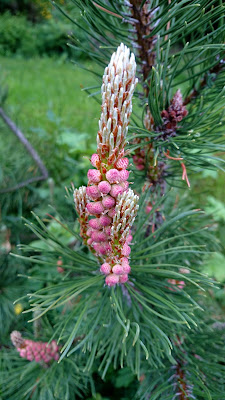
(130, 290)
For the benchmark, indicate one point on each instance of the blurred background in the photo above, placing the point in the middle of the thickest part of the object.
(41, 91)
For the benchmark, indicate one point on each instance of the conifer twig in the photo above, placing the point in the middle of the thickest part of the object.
(12, 126)
(195, 92)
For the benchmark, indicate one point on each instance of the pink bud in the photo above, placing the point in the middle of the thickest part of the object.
(184, 271)
(148, 209)
(124, 185)
(112, 280)
(23, 353)
(46, 359)
(117, 269)
(102, 248)
(104, 187)
(56, 357)
(123, 278)
(48, 349)
(30, 357)
(95, 208)
(126, 250)
(98, 236)
(125, 260)
(172, 281)
(89, 232)
(89, 241)
(104, 220)
(94, 223)
(108, 230)
(60, 270)
(135, 159)
(122, 163)
(116, 190)
(108, 202)
(95, 160)
(94, 175)
(93, 192)
(105, 268)
(111, 212)
(126, 268)
(113, 175)
(124, 175)
(181, 284)
(129, 239)
(140, 167)
(37, 358)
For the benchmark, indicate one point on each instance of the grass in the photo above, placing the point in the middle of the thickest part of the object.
(37, 86)
(47, 102)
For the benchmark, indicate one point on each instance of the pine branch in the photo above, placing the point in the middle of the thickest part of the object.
(142, 39)
(12, 126)
(213, 71)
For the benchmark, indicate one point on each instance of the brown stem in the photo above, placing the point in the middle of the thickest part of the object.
(145, 45)
(182, 383)
(12, 126)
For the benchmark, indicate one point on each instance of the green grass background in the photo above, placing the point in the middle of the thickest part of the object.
(42, 84)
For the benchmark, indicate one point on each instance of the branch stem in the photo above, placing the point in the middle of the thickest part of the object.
(12, 126)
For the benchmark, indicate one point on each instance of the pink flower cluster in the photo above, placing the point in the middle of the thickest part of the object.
(175, 112)
(38, 351)
(110, 233)
(106, 199)
(103, 191)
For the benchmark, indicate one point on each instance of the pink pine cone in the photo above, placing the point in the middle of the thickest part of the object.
(104, 220)
(124, 185)
(98, 236)
(118, 269)
(124, 175)
(94, 223)
(129, 239)
(126, 269)
(125, 265)
(95, 160)
(108, 230)
(122, 163)
(93, 192)
(102, 249)
(94, 176)
(105, 268)
(113, 175)
(108, 202)
(126, 250)
(112, 280)
(104, 187)
(140, 167)
(112, 212)
(95, 208)
(123, 278)
(116, 190)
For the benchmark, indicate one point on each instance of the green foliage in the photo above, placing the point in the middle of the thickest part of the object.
(215, 266)
(18, 36)
(186, 53)
(154, 300)
(65, 381)
(215, 208)
(11, 288)
(198, 374)
(152, 328)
